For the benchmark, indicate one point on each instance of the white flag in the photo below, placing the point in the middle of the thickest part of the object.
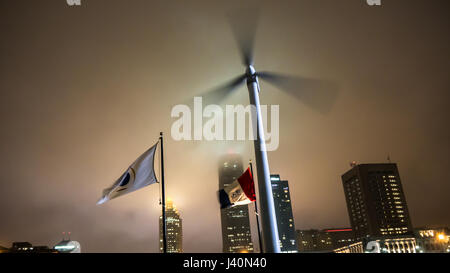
(140, 174)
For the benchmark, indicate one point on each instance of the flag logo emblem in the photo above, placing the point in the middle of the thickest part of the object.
(126, 179)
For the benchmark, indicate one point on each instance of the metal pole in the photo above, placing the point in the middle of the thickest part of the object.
(268, 217)
(257, 216)
(163, 196)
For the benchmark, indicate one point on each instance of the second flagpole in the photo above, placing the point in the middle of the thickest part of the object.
(163, 193)
(256, 213)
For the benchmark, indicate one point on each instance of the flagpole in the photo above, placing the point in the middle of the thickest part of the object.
(257, 215)
(163, 196)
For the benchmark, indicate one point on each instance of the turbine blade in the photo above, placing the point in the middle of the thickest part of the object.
(243, 24)
(219, 94)
(317, 94)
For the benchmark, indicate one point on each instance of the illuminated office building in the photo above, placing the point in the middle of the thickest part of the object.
(326, 240)
(236, 235)
(174, 229)
(342, 240)
(376, 202)
(283, 211)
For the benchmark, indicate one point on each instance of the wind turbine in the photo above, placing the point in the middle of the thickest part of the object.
(318, 94)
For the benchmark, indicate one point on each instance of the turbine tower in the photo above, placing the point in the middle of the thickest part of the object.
(318, 94)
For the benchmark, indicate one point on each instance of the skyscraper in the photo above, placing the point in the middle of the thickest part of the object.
(174, 229)
(283, 211)
(236, 234)
(375, 201)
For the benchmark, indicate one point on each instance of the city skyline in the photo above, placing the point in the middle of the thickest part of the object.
(362, 183)
(87, 89)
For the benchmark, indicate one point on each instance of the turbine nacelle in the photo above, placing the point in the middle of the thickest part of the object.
(251, 76)
(250, 71)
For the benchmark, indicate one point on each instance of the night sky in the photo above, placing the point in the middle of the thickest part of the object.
(85, 90)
